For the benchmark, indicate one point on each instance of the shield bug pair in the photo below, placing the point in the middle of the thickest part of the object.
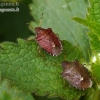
(76, 74)
(48, 40)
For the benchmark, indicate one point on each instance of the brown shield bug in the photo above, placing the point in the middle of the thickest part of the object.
(48, 41)
(76, 74)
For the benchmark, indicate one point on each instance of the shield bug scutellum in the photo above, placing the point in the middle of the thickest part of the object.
(48, 40)
(76, 74)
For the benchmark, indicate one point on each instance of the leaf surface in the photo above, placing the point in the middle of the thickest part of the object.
(32, 72)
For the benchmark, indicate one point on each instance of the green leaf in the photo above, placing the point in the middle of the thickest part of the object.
(9, 93)
(32, 72)
(93, 26)
(57, 15)
(96, 71)
(94, 11)
(95, 42)
(93, 23)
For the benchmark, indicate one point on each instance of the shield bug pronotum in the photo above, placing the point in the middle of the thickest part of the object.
(76, 74)
(48, 40)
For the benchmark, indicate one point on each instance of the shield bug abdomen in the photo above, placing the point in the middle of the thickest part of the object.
(76, 74)
(48, 41)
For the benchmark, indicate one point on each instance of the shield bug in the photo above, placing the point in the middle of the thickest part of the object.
(76, 74)
(48, 40)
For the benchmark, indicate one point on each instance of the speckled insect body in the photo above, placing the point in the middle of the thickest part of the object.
(76, 74)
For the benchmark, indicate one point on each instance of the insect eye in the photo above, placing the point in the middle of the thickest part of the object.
(64, 64)
(38, 30)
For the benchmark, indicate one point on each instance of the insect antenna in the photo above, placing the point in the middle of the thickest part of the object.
(38, 25)
(41, 20)
(29, 25)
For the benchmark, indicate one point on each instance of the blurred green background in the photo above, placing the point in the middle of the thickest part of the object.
(11, 23)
